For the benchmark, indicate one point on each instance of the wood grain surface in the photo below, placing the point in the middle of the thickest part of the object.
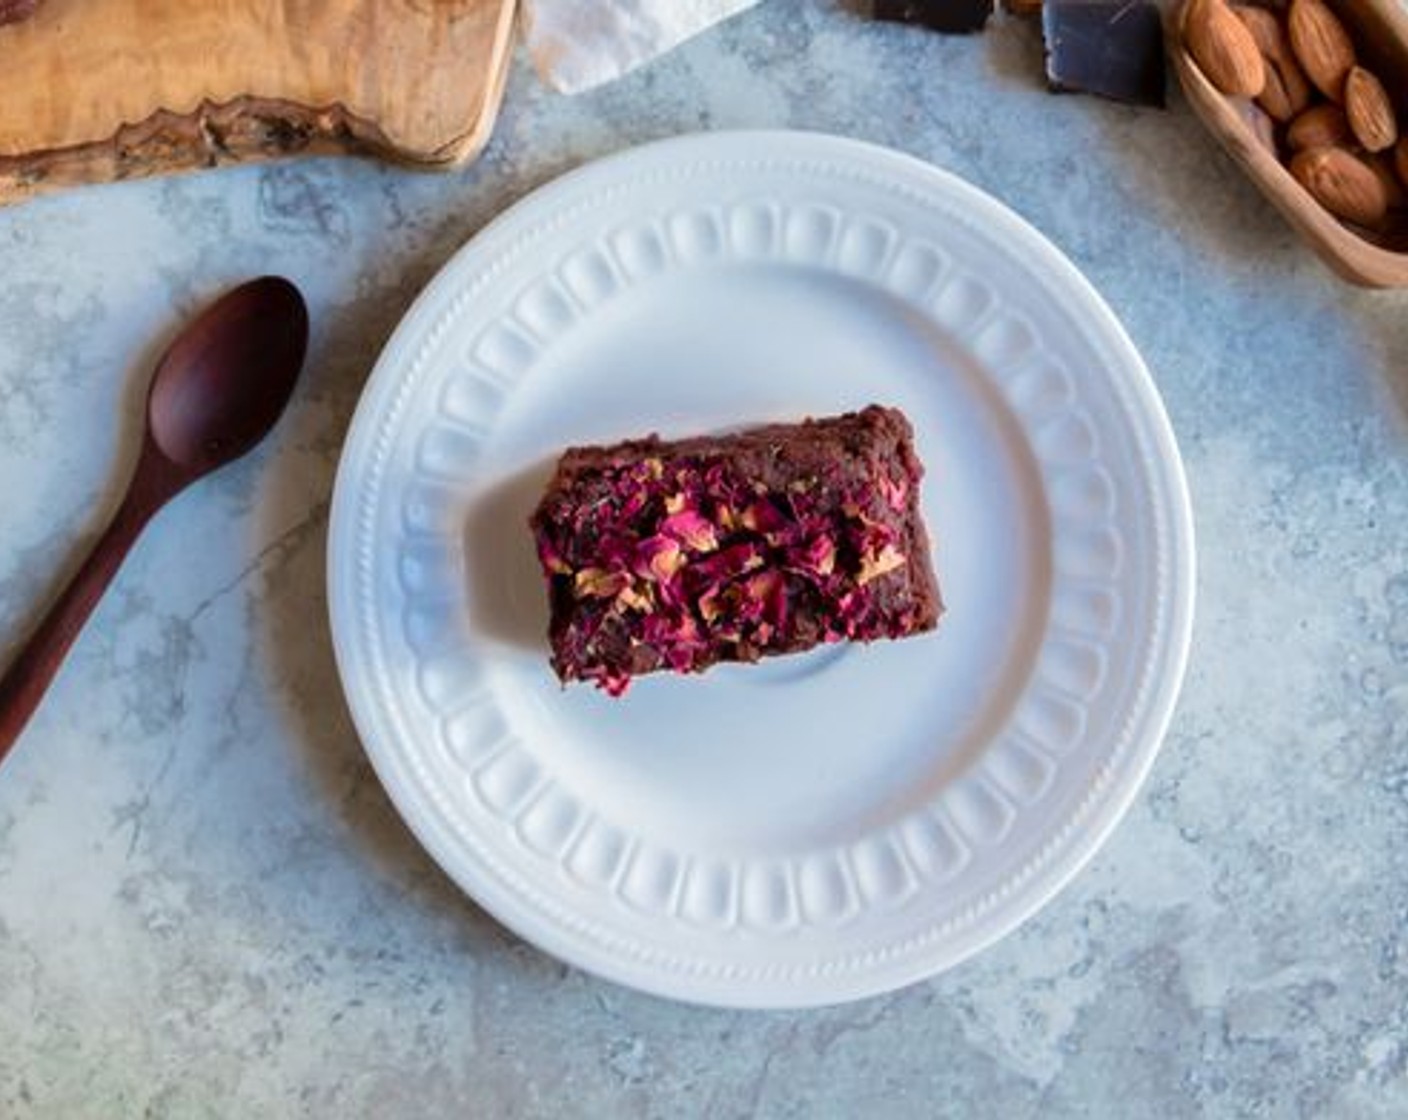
(97, 90)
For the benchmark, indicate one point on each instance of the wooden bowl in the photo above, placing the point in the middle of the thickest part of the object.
(1374, 259)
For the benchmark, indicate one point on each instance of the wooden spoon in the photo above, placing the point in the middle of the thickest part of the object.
(1373, 260)
(215, 393)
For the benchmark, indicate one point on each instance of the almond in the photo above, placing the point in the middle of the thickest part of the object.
(1275, 98)
(1321, 45)
(1370, 112)
(1342, 183)
(1223, 48)
(1264, 26)
(1394, 194)
(1287, 91)
(1320, 126)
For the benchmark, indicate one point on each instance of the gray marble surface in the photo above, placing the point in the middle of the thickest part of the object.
(208, 907)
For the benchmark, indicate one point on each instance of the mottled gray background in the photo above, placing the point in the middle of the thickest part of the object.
(209, 908)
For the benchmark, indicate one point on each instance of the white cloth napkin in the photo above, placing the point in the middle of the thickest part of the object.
(578, 44)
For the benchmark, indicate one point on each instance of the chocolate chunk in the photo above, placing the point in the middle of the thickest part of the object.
(953, 17)
(1115, 50)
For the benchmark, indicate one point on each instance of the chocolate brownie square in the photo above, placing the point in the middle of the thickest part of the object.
(678, 555)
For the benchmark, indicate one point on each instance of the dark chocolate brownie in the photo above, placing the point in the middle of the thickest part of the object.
(679, 555)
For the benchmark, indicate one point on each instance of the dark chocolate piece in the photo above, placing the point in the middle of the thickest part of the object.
(953, 17)
(1115, 50)
(680, 555)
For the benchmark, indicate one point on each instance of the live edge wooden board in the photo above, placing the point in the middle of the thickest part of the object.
(99, 90)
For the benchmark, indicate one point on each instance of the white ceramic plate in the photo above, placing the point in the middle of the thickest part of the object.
(816, 828)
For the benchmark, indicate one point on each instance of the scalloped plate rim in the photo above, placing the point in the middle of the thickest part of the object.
(1077, 294)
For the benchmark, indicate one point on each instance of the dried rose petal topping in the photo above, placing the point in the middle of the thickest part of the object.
(692, 530)
(763, 517)
(551, 560)
(637, 598)
(874, 565)
(658, 558)
(816, 556)
(596, 583)
(677, 556)
(727, 563)
(896, 492)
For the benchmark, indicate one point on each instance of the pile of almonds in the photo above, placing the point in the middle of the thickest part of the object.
(1329, 117)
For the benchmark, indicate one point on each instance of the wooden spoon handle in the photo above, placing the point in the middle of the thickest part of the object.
(27, 679)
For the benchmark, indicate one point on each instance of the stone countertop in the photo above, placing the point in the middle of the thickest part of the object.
(208, 907)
